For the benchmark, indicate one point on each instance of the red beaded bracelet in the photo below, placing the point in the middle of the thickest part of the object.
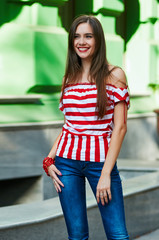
(46, 163)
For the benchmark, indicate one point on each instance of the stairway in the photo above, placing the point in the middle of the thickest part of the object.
(44, 219)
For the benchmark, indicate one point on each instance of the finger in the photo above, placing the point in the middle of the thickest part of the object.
(57, 171)
(102, 200)
(57, 180)
(57, 186)
(54, 169)
(105, 196)
(56, 189)
(109, 194)
(54, 176)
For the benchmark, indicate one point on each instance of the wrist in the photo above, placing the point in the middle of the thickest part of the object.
(47, 162)
(106, 172)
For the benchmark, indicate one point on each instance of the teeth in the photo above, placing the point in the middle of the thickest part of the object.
(83, 49)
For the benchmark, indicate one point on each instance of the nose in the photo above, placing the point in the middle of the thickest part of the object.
(81, 41)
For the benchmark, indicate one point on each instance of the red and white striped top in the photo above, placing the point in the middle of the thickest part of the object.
(84, 136)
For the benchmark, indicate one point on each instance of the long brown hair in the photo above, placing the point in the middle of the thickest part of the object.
(99, 70)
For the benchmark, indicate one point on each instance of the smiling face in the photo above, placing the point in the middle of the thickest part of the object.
(84, 41)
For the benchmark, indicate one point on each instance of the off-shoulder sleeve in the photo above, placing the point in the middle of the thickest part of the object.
(61, 106)
(121, 94)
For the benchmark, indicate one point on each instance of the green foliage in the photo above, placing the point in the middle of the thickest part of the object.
(45, 89)
(154, 86)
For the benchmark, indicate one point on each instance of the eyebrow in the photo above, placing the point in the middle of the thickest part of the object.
(84, 34)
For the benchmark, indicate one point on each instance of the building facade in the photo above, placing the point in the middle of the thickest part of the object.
(33, 48)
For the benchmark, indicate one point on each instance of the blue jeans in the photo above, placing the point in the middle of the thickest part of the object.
(73, 199)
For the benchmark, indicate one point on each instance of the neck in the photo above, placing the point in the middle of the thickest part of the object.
(86, 65)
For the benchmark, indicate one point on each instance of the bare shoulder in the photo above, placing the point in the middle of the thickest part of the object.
(117, 77)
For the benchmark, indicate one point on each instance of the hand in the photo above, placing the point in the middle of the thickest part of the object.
(53, 172)
(103, 189)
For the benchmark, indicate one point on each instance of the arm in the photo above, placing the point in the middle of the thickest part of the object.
(52, 152)
(52, 170)
(119, 131)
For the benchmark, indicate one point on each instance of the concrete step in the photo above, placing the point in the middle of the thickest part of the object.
(12, 99)
(150, 236)
(9, 172)
(20, 184)
(44, 219)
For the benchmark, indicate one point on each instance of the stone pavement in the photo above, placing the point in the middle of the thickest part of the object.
(151, 236)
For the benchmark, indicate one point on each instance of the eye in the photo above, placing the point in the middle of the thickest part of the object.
(76, 36)
(89, 36)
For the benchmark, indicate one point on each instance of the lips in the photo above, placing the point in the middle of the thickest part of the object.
(83, 49)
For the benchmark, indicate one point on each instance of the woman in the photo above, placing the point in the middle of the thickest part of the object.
(94, 101)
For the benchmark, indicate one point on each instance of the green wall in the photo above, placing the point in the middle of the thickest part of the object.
(32, 48)
(142, 52)
(33, 45)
